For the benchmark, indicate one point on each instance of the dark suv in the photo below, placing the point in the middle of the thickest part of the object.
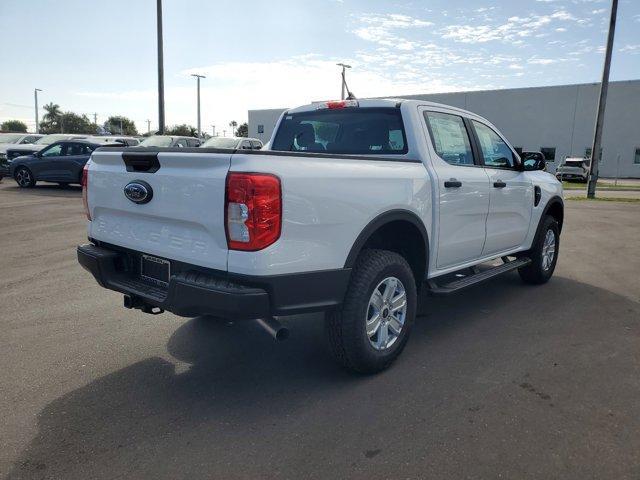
(60, 162)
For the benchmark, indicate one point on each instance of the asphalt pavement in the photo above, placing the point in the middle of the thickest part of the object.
(502, 381)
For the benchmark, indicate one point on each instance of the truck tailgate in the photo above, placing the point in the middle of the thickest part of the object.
(183, 221)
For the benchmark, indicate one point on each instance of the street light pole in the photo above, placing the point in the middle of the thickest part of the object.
(602, 102)
(198, 77)
(160, 71)
(35, 94)
(344, 79)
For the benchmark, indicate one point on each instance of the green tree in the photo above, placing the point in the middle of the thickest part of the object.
(53, 112)
(243, 130)
(183, 130)
(51, 119)
(14, 126)
(120, 125)
(73, 123)
(233, 124)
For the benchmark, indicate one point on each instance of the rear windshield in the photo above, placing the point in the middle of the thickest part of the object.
(367, 131)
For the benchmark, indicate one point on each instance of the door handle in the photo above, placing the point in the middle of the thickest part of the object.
(453, 183)
(499, 184)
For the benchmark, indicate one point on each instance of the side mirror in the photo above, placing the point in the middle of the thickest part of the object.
(532, 164)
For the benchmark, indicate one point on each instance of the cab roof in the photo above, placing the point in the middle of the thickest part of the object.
(381, 102)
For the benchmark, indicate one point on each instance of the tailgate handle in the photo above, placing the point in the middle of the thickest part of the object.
(141, 162)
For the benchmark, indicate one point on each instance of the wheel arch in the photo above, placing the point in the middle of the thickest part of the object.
(398, 230)
(555, 208)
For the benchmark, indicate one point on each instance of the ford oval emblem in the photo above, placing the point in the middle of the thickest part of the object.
(138, 191)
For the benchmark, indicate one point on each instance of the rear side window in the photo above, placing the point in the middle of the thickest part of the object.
(450, 138)
(365, 131)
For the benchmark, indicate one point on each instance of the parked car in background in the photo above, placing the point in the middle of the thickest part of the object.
(8, 140)
(170, 141)
(28, 149)
(115, 139)
(574, 168)
(534, 160)
(61, 162)
(233, 143)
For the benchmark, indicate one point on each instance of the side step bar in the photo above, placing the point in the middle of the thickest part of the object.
(477, 277)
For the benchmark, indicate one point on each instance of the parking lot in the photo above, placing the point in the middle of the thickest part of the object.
(502, 381)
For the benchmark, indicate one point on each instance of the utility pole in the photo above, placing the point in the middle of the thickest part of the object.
(344, 79)
(160, 71)
(95, 118)
(602, 103)
(121, 126)
(213, 130)
(35, 94)
(148, 126)
(224, 133)
(198, 77)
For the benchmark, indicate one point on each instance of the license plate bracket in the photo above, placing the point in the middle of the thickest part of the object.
(155, 270)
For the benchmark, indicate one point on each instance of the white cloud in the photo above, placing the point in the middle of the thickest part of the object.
(514, 29)
(382, 29)
(544, 61)
(630, 48)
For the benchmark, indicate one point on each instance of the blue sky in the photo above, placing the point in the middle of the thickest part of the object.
(94, 56)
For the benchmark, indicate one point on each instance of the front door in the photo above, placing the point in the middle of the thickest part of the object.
(463, 190)
(511, 198)
(46, 166)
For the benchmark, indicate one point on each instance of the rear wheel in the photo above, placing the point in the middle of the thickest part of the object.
(372, 326)
(543, 253)
(24, 178)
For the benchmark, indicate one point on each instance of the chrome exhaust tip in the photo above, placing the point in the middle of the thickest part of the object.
(274, 328)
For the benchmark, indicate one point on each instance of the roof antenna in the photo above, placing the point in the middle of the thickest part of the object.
(345, 87)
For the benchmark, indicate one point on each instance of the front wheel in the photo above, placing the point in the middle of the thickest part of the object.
(372, 326)
(24, 178)
(543, 253)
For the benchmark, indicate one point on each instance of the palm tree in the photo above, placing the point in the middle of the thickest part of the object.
(53, 112)
(233, 124)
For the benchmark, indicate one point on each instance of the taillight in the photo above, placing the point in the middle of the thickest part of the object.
(85, 184)
(253, 210)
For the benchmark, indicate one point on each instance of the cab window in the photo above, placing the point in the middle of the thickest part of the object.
(450, 138)
(495, 152)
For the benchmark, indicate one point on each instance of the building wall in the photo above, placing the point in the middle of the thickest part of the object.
(262, 123)
(560, 117)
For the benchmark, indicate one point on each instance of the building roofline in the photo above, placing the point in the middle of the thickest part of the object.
(486, 90)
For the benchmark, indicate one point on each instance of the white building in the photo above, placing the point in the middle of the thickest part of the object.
(557, 120)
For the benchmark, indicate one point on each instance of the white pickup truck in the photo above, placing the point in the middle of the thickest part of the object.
(350, 209)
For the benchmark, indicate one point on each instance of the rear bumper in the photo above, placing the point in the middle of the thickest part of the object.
(193, 291)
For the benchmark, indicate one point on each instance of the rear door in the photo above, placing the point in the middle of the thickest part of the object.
(70, 165)
(184, 218)
(463, 189)
(511, 192)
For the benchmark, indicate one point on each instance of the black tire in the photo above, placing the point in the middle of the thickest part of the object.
(537, 272)
(346, 327)
(24, 178)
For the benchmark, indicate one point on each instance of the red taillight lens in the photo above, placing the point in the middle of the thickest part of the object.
(253, 208)
(85, 184)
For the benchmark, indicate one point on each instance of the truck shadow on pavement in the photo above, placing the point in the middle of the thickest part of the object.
(242, 399)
